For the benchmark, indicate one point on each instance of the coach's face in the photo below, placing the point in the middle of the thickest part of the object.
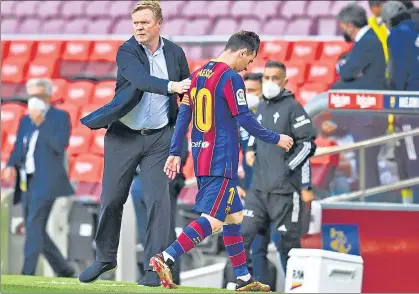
(146, 26)
(244, 59)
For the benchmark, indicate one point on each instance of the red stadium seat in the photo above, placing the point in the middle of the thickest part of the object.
(59, 90)
(4, 49)
(322, 72)
(77, 50)
(257, 66)
(73, 111)
(79, 93)
(9, 90)
(13, 71)
(333, 49)
(104, 50)
(98, 142)
(23, 51)
(104, 92)
(87, 168)
(10, 116)
(296, 72)
(9, 142)
(305, 51)
(196, 64)
(80, 141)
(43, 68)
(188, 169)
(49, 49)
(276, 50)
(323, 167)
(308, 91)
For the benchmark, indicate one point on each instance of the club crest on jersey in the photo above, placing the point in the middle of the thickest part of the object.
(241, 100)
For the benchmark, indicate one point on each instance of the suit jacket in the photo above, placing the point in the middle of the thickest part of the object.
(365, 66)
(133, 79)
(50, 179)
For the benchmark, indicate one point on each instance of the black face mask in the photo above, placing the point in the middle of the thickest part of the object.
(347, 37)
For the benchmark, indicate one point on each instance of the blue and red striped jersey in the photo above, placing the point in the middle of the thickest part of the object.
(216, 95)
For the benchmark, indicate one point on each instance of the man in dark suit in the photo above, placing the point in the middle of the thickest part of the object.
(140, 121)
(37, 164)
(365, 65)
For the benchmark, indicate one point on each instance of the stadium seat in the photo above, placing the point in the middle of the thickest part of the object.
(250, 24)
(276, 50)
(80, 141)
(303, 26)
(265, 9)
(76, 26)
(26, 8)
(59, 90)
(11, 90)
(305, 51)
(170, 8)
(121, 9)
(225, 26)
(10, 116)
(196, 64)
(23, 51)
(193, 52)
(96, 69)
(79, 93)
(333, 49)
(4, 49)
(50, 49)
(100, 26)
(242, 9)
(337, 6)
(274, 27)
(30, 26)
(53, 26)
(322, 72)
(98, 9)
(103, 92)
(323, 167)
(43, 68)
(174, 27)
(7, 8)
(9, 142)
(9, 25)
(77, 50)
(293, 8)
(104, 50)
(308, 91)
(73, 111)
(188, 170)
(257, 66)
(49, 8)
(76, 9)
(218, 8)
(87, 168)
(13, 71)
(98, 142)
(123, 25)
(196, 27)
(327, 26)
(296, 72)
(194, 8)
(319, 8)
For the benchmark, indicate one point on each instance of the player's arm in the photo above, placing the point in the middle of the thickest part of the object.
(235, 96)
(304, 134)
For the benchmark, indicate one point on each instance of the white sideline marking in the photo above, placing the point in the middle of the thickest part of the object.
(77, 283)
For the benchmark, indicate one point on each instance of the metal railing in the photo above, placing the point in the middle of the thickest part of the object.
(361, 146)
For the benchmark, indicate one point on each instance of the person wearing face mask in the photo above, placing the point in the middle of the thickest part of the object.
(365, 66)
(37, 163)
(281, 180)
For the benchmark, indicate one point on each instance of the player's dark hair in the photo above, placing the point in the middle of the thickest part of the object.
(277, 64)
(253, 76)
(243, 40)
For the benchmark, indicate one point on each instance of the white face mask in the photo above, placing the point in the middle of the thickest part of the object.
(252, 100)
(270, 90)
(36, 103)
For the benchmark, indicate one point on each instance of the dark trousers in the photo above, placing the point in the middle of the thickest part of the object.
(36, 213)
(137, 192)
(284, 212)
(125, 149)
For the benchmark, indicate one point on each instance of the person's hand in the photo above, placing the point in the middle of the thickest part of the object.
(307, 195)
(242, 192)
(172, 166)
(285, 142)
(9, 174)
(36, 116)
(250, 158)
(181, 87)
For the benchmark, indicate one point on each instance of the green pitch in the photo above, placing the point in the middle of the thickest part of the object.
(28, 284)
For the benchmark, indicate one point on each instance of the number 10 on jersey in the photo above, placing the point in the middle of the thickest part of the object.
(203, 109)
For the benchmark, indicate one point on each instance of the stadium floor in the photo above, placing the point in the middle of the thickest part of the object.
(29, 284)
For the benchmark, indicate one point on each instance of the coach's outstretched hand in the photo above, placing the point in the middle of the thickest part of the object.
(172, 166)
(285, 142)
(181, 87)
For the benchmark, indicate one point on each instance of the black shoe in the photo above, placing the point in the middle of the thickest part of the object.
(251, 286)
(150, 279)
(93, 272)
(69, 273)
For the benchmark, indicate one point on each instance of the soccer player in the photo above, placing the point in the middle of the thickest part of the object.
(217, 103)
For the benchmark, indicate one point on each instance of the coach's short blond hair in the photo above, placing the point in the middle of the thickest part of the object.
(153, 5)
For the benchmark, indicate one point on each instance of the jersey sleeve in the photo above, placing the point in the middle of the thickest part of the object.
(181, 127)
(235, 95)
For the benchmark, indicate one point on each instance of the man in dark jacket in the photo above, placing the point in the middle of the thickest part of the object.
(403, 44)
(365, 65)
(281, 180)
